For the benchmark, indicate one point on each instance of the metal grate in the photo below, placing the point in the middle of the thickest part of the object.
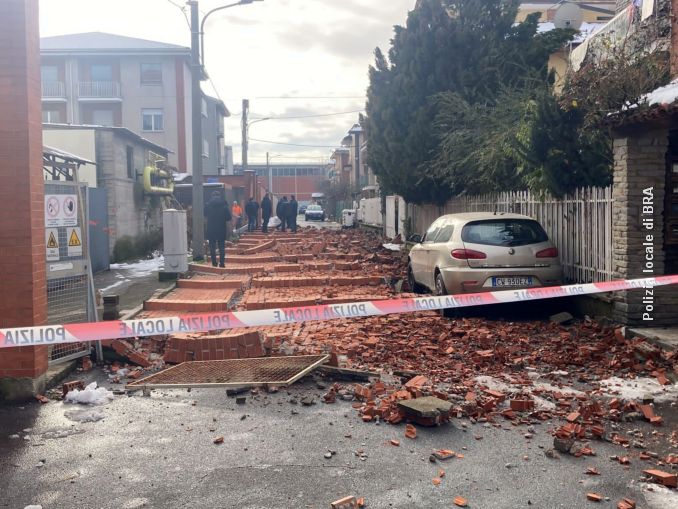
(233, 372)
(68, 285)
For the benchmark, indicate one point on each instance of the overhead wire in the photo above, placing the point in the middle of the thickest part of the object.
(310, 116)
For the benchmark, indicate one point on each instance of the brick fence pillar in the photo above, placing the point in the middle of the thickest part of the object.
(23, 295)
(640, 169)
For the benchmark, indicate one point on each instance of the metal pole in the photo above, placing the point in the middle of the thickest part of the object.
(245, 109)
(269, 171)
(198, 237)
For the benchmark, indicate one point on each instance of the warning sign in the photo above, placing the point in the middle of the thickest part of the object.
(61, 210)
(74, 241)
(52, 244)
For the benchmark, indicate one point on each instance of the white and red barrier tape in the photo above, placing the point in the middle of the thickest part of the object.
(98, 331)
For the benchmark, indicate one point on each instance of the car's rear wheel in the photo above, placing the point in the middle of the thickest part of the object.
(440, 285)
(412, 283)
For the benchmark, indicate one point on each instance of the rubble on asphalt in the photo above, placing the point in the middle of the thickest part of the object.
(583, 378)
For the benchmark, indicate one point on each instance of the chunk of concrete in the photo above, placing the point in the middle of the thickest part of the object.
(427, 411)
(560, 318)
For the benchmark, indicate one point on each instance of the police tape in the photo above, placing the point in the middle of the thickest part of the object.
(203, 322)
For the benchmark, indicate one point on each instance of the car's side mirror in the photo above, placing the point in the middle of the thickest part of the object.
(416, 238)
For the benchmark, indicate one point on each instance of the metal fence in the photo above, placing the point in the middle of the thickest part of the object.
(580, 224)
(69, 291)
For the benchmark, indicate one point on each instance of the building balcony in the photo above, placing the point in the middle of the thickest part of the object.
(53, 91)
(99, 91)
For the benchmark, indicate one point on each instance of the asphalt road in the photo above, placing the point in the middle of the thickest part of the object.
(158, 452)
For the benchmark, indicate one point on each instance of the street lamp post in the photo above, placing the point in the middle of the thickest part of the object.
(197, 75)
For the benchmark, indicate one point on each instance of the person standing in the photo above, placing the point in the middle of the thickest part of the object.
(281, 212)
(236, 211)
(251, 209)
(266, 211)
(217, 215)
(292, 211)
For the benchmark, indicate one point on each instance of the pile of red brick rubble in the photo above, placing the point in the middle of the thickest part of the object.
(488, 371)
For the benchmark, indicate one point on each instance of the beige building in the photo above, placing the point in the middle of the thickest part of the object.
(110, 80)
(594, 11)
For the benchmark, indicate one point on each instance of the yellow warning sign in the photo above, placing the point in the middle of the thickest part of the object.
(74, 236)
(52, 242)
(74, 240)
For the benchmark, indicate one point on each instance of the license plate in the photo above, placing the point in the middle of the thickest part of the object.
(512, 281)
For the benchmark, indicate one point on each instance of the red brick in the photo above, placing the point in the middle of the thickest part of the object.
(667, 479)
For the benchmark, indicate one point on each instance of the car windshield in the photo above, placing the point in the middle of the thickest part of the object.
(314, 207)
(504, 232)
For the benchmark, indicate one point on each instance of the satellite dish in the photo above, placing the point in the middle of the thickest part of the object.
(568, 15)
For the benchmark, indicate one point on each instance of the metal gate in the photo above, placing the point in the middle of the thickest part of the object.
(69, 285)
(97, 206)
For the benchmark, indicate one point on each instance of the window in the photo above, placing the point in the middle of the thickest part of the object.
(152, 120)
(432, 232)
(504, 232)
(444, 234)
(102, 117)
(203, 107)
(101, 72)
(51, 117)
(130, 162)
(49, 73)
(151, 74)
(205, 148)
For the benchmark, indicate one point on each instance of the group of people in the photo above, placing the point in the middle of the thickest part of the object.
(218, 214)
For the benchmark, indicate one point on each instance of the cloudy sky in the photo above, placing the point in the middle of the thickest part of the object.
(291, 58)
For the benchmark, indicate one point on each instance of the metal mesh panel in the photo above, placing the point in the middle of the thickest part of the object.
(259, 371)
(67, 279)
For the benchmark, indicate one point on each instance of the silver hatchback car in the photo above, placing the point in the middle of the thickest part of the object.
(481, 251)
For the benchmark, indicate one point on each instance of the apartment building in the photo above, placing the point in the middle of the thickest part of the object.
(111, 80)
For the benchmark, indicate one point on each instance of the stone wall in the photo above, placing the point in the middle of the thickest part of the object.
(129, 212)
(640, 169)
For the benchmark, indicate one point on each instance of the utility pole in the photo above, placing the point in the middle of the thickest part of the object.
(198, 237)
(269, 172)
(245, 111)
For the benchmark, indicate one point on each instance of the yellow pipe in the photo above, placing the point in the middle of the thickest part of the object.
(153, 177)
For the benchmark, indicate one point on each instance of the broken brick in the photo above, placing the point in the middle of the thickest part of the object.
(594, 497)
(460, 502)
(521, 405)
(626, 503)
(667, 479)
(410, 431)
(349, 502)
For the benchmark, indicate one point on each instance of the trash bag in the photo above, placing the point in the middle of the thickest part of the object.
(274, 222)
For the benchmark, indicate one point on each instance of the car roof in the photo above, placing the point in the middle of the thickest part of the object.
(465, 217)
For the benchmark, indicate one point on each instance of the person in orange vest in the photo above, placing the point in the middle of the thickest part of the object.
(236, 211)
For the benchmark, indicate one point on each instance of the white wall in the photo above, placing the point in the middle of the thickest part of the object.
(79, 142)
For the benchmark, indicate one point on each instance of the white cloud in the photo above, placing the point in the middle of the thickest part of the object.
(274, 48)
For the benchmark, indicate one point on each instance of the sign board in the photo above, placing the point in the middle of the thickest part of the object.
(52, 244)
(61, 210)
(74, 241)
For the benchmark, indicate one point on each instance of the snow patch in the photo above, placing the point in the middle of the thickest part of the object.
(83, 415)
(660, 497)
(554, 388)
(56, 433)
(393, 247)
(142, 267)
(637, 388)
(91, 395)
(494, 384)
(114, 285)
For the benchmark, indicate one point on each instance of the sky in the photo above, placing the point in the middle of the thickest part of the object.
(290, 58)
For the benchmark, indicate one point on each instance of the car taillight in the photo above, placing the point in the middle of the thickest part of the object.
(551, 252)
(468, 254)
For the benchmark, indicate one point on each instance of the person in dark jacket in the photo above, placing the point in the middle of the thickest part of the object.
(292, 211)
(251, 209)
(266, 211)
(217, 214)
(281, 212)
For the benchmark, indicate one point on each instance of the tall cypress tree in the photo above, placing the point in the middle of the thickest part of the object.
(470, 50)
